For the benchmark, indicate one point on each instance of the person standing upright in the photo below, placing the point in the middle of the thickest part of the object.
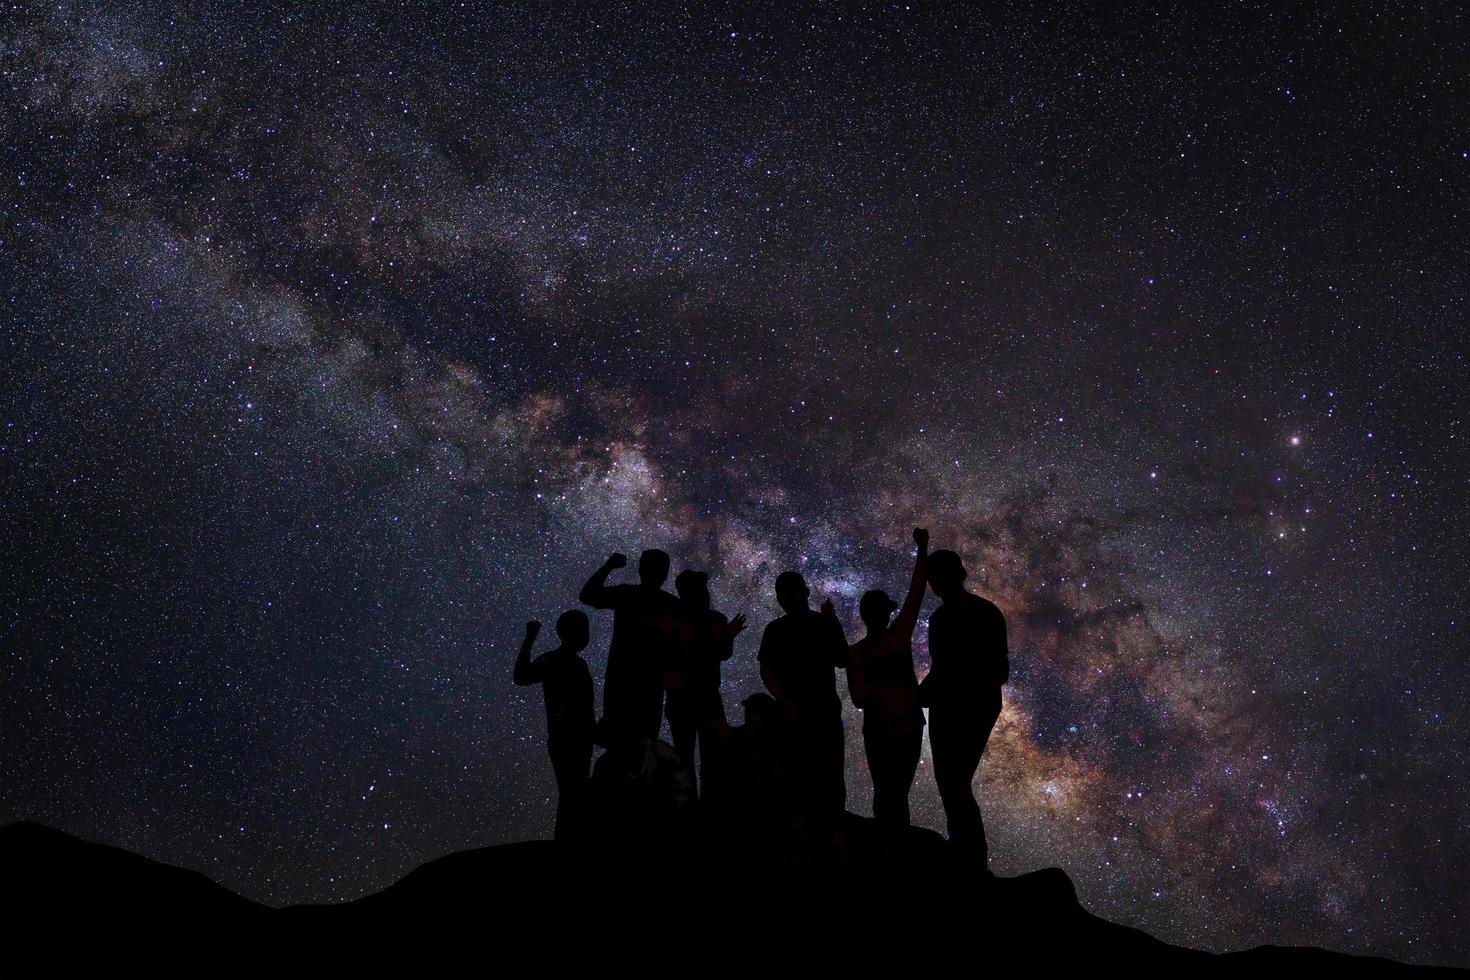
(799, 656)
(567, 685)
(880, 675)
(969, 663)
(645, 619)
(692, 682)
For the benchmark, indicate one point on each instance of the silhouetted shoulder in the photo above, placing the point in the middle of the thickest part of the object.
(969, 607)
(974, 604)
(986, 609)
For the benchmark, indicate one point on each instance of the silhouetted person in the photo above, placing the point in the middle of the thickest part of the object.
(706, 639)
(755, 772)
(644, 620)
(567, 685)
(880, 675)
(799, 655)
(641, 793)
(968, 665)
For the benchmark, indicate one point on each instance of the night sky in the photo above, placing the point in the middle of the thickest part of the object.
(336, 344)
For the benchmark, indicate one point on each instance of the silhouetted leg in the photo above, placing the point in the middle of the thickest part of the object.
(649, 720)
(831, 764)
(990, 714)
(893, 758)
(683, 715)
(712, 709)
(910, 747)
(806, 770)
(955, 760)
(617, 699)
(817, 768)
(957, 737)
(877, 749)
(571, 760)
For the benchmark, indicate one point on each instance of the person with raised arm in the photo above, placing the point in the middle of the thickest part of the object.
(880, 676)
(566, 684)
(645, 619)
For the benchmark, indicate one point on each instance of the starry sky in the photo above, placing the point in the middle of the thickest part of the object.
(337, 343)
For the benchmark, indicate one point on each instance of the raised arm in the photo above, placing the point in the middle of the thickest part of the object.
(908, 616)
(526, 672)
(596, 593)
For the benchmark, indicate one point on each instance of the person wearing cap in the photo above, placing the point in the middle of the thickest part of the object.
(880, 676)
(969, 663)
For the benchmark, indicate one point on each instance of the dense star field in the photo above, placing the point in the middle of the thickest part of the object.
(338, 344)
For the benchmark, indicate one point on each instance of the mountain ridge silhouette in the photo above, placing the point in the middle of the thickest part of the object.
(871, 905)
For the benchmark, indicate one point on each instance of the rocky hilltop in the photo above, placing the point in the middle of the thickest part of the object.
(859, 904)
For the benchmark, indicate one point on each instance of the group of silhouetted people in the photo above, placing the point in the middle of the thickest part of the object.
(782, 768)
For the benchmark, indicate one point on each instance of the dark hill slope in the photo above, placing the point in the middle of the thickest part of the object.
(870, 907)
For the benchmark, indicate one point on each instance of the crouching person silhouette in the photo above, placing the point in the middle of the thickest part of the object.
(567, 685)
(968, 665)
(641, 797)
(757, 784)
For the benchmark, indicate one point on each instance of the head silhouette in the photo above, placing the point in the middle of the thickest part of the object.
(875, 608)
(571, 629)
(628, 753)
(653, 568)
(946, 573)
(791, 591)
(693, 588)
(760, 709)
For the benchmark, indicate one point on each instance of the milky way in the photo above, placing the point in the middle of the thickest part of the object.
(339, 344)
